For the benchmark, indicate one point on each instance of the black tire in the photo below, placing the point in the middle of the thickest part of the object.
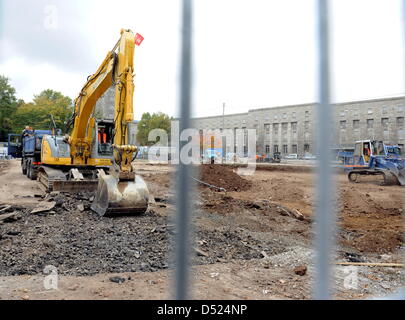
(352, 176)
(28, 169)
(32, 172)
(24, 167)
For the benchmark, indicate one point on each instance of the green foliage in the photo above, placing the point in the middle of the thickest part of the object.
(149, 122)
(8, 106)
(38, 113)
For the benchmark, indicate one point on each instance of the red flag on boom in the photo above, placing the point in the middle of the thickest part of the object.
(138, 39)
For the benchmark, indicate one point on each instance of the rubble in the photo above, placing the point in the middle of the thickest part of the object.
(82, 243)
(43, 207)
(300, 270)
(117, 279)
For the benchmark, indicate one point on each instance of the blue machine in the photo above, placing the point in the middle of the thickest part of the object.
(376, 158)
(31, 151)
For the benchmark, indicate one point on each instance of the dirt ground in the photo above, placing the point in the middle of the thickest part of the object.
(251, 241)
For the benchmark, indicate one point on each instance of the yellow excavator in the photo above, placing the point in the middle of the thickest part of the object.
(97, 155)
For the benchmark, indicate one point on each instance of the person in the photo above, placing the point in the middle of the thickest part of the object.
(102, 136)
(26, 131)
(367, 152)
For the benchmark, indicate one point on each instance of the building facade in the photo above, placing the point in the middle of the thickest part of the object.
(292, 129)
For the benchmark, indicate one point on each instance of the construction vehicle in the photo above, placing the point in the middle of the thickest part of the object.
(376, 158)
(97, 154)
(31, 151)
(275, 159)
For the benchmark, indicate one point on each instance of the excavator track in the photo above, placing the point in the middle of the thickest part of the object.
(52, 179)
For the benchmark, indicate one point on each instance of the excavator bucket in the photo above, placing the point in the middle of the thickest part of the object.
(394, 173)
(401, 177)
(116, 197)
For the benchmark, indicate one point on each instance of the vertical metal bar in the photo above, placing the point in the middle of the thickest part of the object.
(324, 210)
(223, 128)
(402, 293)
(184, 183)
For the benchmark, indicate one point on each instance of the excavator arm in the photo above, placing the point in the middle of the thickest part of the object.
(116, 69)
(120, 191)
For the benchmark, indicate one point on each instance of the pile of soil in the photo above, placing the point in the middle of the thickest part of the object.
(223, 177)
(77, 241)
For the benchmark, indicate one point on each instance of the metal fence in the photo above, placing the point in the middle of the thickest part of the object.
(325, 212)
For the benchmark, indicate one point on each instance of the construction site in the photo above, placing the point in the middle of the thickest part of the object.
(252, 240)
(282, 202)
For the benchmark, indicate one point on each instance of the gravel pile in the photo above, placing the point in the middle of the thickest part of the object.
(77, 241)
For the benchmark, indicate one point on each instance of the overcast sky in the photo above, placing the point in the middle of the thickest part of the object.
(248, 53)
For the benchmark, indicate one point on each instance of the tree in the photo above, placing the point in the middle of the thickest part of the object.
(37, 114)
(149, 122)
(8, 106)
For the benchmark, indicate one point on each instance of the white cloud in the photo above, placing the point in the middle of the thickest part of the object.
(30, 79)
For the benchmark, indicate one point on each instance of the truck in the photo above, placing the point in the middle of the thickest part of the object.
(31, 151)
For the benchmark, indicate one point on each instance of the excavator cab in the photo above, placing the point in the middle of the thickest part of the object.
(104, 138)
(363, 151)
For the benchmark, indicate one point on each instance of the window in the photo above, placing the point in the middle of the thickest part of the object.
(285, 149)
(284, 127)
(267, 149)
(342, 113)
(370, 123)
(384, 123)
(400, 123)
(343, 124)
(384, 109)
(356, 112)
(306, 114)
(306, 147)
(267, 129)
(294, 148)
(370, 111)
(275, 117)
(356, 124)
(294, 127)
(400, 108)
(284, 115)
(306, 125)
(275, 148)
(294, 114)
(275, 128)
